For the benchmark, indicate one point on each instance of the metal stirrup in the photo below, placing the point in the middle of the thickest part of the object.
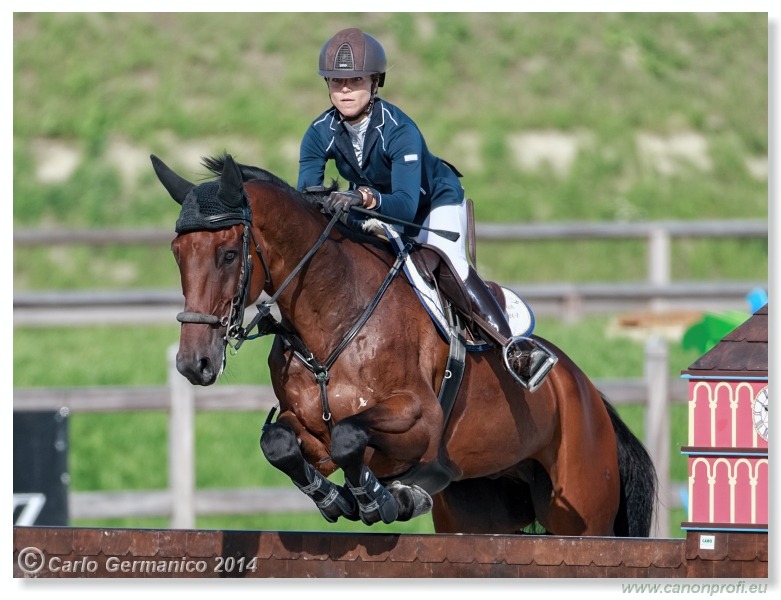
(536, 378)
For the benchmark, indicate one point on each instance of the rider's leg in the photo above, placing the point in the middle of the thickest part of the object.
(526, 359)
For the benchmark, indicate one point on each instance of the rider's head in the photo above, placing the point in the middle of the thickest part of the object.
(353, 64)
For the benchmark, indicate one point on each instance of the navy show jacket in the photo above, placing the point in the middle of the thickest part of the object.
(397, 164)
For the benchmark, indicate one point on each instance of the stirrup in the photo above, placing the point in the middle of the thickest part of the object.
(540, 370)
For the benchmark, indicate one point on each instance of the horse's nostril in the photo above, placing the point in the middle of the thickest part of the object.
(205, 367)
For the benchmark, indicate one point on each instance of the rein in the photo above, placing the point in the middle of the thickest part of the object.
(264, 308)
(307, 357)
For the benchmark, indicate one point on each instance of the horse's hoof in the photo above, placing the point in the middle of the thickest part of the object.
(412, 495)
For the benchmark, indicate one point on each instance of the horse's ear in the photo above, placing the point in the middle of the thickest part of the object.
(231, 183)
(177, 186)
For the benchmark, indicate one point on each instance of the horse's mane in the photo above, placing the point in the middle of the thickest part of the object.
(216, 164)
(314, 198)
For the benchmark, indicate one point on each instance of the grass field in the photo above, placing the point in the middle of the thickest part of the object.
(621, 117)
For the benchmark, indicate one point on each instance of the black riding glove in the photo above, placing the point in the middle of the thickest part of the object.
(342, 201)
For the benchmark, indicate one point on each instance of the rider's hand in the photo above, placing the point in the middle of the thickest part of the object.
(342, 201)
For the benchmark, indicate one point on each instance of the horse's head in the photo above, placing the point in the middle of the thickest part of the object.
(212, 242)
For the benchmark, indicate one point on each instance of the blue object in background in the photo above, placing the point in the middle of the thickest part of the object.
(757, 298)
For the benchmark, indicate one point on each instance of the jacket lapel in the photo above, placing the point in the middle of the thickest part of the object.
(373, 131)
(345, 147)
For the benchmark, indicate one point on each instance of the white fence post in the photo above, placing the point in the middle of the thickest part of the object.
(657, 428)
(659, 263)
(181, 447)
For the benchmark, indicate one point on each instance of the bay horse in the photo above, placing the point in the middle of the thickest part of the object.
(357, 364)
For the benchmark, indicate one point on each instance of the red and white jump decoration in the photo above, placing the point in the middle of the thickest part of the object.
(728, 432)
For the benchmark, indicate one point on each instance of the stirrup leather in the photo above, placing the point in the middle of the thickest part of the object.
(539, 368)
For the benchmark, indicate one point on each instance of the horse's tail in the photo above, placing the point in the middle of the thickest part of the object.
(638, 481)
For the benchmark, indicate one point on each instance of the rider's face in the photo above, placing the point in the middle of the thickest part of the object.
(350, 96)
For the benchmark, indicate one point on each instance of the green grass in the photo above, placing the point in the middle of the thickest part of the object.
(182, 85)
(161, 83)
(175, 85)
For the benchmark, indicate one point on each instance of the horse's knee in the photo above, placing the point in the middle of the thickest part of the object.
(348, 443)
(280, 447)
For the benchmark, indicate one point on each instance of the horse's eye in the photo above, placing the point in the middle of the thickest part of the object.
(230, 256)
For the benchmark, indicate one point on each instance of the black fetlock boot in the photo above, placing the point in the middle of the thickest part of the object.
(332, 500)
(374, 501)
(527, 361)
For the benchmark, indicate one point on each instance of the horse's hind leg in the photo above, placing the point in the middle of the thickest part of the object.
(483, 505)
(280, 446)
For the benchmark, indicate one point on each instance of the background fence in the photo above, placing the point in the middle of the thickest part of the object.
(567, 301)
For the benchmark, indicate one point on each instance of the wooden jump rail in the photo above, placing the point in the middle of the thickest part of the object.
(41, 552)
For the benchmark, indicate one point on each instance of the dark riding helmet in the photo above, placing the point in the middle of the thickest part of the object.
(353, 53)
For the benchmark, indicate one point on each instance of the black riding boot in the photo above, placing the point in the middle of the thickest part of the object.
(526, 360)
(485, 305)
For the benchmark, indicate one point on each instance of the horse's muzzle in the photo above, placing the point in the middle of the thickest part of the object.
(199, 370)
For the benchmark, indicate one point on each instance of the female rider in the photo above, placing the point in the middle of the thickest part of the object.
(381, 152)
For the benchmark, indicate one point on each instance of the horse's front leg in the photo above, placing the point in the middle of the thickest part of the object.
(396, 430)
(279, 444)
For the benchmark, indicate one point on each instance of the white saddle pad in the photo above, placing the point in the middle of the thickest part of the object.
(518, 313)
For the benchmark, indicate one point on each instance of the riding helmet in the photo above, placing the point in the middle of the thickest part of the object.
(352, 53)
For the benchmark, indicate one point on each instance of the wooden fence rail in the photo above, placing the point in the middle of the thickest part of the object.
(181, 502)
(566, 300)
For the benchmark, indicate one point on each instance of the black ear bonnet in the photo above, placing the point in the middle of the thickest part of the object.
(203, 209)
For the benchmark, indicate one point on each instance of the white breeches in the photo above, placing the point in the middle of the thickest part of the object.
(450, 217)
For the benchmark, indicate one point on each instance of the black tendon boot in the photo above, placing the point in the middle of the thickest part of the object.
(333, 500)
(374, 501)
(527, 360)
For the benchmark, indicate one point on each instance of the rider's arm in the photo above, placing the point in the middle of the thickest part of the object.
(311, 161)
(404, 148)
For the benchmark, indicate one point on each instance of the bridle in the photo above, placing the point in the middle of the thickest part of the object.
(234, 320)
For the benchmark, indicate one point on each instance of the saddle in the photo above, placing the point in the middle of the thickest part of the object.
(437, 284)
(441, 291)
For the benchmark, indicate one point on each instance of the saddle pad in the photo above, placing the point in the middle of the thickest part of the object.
(518, 313)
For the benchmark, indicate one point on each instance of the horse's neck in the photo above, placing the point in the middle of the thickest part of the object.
(319, 299)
